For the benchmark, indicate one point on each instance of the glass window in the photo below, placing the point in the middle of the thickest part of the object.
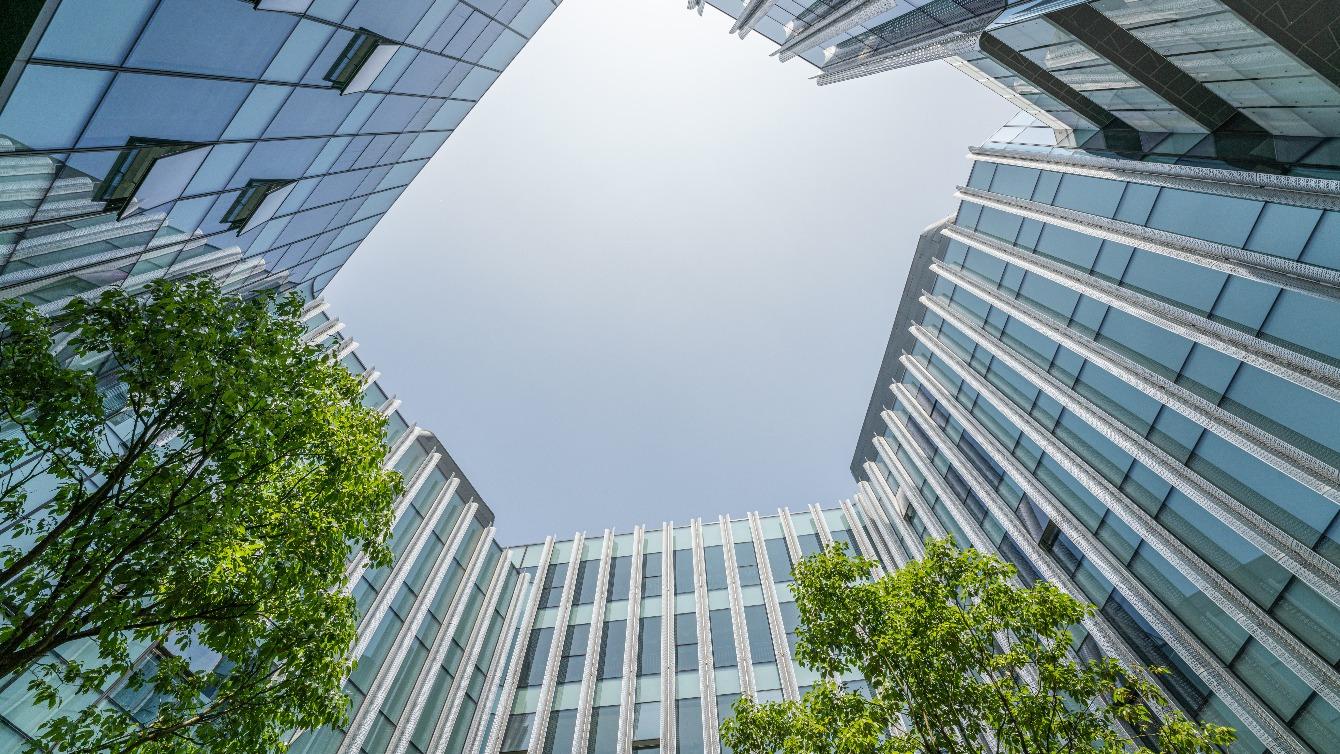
(790, 622)
(683, 571)
(223, 39)
(1312, 618)
(1096, 196)
(844, 536)
(536, 657)
(1270, 679)
(573, 661)
(1241, 562)
(169, 107)
(779, 559)
(723, 639)
(1293, 321)
(1221, 219)
(147, 174)
(746, 560)
(93, 31)
(1283, 230)
(1014, 181)
(981, 174)
(1289, 505)
(604, 736)
(646, 726)
(810, 544)
(392, 114)
(587, 573)
(142, 701)
(611, 649)
(553, 585)
(311, 112)
(651, 574)
(725, 703)
(760, 636)
(1220, 633)
(1300, 417)
(686, 642)
(298, 52)
(714, 562)
(501, 52)
(476, 82)
(257, 202)
(49, 106)
(1319, 724)
(377, 649)
(1187, 284)
(257, 111)
(621, 570)
(689, 726)
(562, 730)
(649, 646)
(1183, 685)
(358, 53)
(1323, 248)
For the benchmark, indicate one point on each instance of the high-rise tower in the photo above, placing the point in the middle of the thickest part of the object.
(1248, 82)
(1123, 377)
(145, 138)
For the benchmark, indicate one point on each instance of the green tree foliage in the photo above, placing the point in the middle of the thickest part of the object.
(211, 477)
(959, 658)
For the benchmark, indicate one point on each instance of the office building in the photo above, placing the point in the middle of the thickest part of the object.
(1249, 83)
(139, 135)
(1121, 376)
(642, 641)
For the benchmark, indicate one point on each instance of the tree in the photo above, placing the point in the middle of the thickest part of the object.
(207, 477)
(957, 658)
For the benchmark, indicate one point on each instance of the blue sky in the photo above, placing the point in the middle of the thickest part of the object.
(652, 274)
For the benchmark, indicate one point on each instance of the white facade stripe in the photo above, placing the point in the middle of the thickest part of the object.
(628, 685)
(549, 685)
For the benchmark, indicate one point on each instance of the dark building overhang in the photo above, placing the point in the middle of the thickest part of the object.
(1310, 31)
(1152, 70)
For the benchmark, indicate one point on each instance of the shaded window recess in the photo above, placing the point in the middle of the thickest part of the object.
(147, 173)
(361, 61)
(647, 744)
(258, 201)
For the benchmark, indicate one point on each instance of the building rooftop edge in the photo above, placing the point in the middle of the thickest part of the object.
(930, 246)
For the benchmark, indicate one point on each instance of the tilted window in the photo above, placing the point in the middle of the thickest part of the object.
(258, 201)
(147, 173)
(360, 62)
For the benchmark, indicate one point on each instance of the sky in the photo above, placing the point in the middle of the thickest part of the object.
(652, 275)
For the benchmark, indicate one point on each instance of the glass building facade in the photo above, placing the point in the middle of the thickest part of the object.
(1249, 83)
(143, 138)
(1122, 377)
(642, 641)
(432, 623)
